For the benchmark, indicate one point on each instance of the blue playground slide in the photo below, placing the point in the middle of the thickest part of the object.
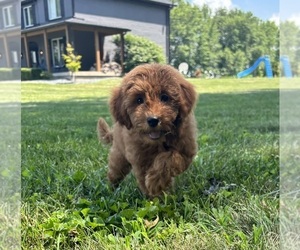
(286, 66)
(268, 67)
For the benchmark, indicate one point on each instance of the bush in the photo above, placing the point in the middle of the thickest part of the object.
(9, 74)
(16, 73)
(25, 74)
(36, 73)
(138, 50)
(46, 75)
(31, 74)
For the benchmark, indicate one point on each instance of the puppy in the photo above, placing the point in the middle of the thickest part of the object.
(154, 134)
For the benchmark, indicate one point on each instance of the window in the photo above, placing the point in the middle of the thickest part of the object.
(28, 16)
(15, 57)
(58, 47)
(8, 17)
(54, 9)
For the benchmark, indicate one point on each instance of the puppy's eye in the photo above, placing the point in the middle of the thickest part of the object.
(164, 98)
(139, 100)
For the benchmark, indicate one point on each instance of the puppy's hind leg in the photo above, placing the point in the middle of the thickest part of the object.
(118, 166)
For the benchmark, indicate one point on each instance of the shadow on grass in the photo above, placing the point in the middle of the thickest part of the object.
(64, 118)
(254, 111)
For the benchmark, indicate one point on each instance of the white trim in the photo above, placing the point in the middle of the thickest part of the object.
(54, 9)
(8, 20)
(27, 15)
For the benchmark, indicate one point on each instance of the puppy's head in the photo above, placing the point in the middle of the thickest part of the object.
(153, 100)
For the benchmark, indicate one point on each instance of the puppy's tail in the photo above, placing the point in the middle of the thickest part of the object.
(105, 134)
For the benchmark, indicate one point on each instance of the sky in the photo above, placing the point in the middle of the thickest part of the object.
(273, 10)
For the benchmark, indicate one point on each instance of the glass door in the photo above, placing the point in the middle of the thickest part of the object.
(57, 47)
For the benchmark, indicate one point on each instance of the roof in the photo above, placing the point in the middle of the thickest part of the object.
(168, 2)
(105, 29)
(163, 2)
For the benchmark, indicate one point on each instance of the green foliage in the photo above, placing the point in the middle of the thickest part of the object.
(5, 74)
(9, 74)
(24, 74)
(290, 44)
(67, 202)
(73, 61)
(194, 37)
(138, 50)
(35, 73)
(46, 75)
(31, 74)
(225, 42)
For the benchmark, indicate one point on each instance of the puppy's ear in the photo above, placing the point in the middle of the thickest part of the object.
(188, 98)
(117, 108)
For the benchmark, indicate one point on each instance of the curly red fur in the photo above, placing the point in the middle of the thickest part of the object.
(154, 134)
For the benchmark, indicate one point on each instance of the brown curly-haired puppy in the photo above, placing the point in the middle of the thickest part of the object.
(154, 134)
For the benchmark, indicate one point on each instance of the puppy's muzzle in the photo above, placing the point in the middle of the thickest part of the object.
(152, 121)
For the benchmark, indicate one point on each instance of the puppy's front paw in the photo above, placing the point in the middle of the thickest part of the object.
(157, 181)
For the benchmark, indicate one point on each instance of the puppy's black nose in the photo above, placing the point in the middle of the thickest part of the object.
(152, 121)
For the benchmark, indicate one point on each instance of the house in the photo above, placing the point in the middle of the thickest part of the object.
(10, 23)
(48, 25)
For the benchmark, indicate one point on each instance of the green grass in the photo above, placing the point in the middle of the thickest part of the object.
(10, 181)
(67, 201)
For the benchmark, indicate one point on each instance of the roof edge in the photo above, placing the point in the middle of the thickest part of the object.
(160, 2)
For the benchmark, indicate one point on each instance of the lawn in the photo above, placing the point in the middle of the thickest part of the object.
(227, 199)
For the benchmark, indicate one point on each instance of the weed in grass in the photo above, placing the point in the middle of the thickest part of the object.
(68, 204)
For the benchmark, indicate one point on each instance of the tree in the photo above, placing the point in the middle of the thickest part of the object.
(138, 50)
(226, 41)
(290, 44)
(208, 53)
(247, 38)
(72, 60)
(184, 33)
(272, 41)
(194, 37)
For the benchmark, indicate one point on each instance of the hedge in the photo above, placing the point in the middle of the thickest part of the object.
(9, 74)
(30, 74)
(24, 74)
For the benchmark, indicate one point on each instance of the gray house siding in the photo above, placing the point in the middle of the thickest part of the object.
(144, 19)
(40, 16)
(15, 13)
(41, 11)
(68, 8)
(10, 33)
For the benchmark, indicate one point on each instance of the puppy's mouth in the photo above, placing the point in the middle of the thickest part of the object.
(155, 135)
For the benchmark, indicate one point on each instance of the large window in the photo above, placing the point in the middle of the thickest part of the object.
(8, 17)
(28, 16)
(54, 9)
(58, 47)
